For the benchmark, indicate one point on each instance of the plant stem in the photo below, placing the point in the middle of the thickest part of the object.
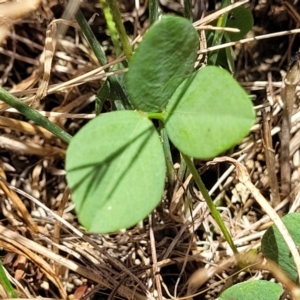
(288, 95)
(111, 27)
(188, 12)
(6, 283)
(34, 115)
(168, 156)
(158, 116)
(209, 202)
(98, 104)
(218, 34)
(87, 31)
(112, 4)
(95, 46)
(153, 11)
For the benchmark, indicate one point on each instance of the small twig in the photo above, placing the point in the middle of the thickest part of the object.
(288, 96)
(208, 19)
(285, 169)
(210, 27)
(155, 268)
(252, 39)
(57, 225)
(270, 157)
(291, 11)
(28, 60)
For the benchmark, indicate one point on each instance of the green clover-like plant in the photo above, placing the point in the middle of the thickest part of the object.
(255, 289)
(115, 164)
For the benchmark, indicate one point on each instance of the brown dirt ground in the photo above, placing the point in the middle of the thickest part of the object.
(46, 258)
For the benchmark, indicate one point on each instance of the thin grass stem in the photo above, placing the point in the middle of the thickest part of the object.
(153, 11)
(111, 27)
(93, 42)
(116, 16)
(34, 115)
(209, 202)
(99, 53)
(168, 156)
(4, 281)
(218, 35)
(188, 11)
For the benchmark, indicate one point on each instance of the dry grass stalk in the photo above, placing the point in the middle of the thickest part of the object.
(270, 156)
(290, 83)
(18, 204)
(10, 12)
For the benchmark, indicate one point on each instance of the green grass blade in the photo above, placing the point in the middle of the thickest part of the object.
(218, 34)
(34, 115)
(168, 155)
(153, 11)
(188, 11)
(95, 46)
(6, 283)
(87, 31)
